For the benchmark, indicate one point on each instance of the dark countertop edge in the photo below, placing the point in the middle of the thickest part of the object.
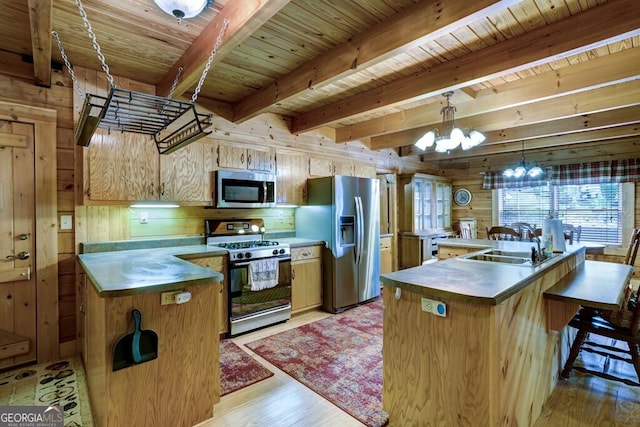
(488, 300)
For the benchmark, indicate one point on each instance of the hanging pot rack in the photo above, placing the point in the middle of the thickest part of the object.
(173, 124)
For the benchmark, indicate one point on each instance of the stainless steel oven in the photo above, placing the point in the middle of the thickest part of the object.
(253, 303)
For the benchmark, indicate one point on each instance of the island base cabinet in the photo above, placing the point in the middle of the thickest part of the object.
(180, 386)
(481, 365)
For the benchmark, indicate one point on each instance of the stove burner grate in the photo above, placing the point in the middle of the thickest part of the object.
(247, 245)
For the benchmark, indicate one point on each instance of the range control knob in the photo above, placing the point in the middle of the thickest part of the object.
(281, 251)
(275, 251)
(240, 256)
(247, 255)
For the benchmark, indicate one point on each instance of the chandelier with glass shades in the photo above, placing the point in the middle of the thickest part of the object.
(451, 136)
(523, 169)
(183, 8)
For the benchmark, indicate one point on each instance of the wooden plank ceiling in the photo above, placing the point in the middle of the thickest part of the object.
(544, 72)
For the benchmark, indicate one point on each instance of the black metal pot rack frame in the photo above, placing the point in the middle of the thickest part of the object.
(172, 123)
(129, 111)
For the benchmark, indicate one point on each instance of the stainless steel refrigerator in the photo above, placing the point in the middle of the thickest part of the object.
(344, 211)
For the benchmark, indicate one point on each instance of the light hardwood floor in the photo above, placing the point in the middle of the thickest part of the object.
(581, 401)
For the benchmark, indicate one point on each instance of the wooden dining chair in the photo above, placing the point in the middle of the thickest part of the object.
(618, 325)
(465, 230)
(503, 233)
(571, 232)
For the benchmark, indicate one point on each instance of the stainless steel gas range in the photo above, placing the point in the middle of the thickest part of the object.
(259, 273)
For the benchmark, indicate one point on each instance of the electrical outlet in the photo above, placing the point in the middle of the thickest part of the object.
(167, 298)
(434, 307)
(144, 217)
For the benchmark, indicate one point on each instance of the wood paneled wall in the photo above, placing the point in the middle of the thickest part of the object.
(98, 223)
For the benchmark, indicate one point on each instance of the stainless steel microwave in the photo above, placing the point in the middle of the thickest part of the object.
(235, 189)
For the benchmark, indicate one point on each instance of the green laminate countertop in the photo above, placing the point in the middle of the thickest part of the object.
(132, 272)
(472, 281)
(123, 268)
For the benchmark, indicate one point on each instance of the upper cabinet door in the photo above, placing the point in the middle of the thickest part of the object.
(232, 156)
(121, 166)
(186, 174)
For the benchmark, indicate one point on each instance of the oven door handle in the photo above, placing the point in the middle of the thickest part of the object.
(242, 264)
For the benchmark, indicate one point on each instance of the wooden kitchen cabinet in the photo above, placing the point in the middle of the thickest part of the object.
(291, 177)
(127, 167)
(232, 156)
(121, 167)
(219, 264)
(185, 174)
(426, 203)
(386, 265)
(81, 313)
(306, 278)
(320, 167)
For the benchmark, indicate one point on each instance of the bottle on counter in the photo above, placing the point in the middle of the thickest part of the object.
(548, 245)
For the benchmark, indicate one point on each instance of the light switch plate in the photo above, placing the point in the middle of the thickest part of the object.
(66, 222)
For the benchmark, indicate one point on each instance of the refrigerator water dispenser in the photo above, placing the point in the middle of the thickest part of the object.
(347, 231)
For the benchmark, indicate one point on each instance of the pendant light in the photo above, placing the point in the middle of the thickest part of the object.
(523, 169)
(451, 136)
(183, 8)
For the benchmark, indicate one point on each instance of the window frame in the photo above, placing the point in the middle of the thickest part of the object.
(627, 214)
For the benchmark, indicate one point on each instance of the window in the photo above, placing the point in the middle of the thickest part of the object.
(598, 208)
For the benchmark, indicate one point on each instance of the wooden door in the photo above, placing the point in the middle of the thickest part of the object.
(17, 251)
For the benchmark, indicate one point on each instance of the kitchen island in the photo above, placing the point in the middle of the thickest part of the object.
(178, 387)
(492, 359)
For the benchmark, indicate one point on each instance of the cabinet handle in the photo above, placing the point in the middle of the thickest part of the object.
(306, 253)
(152, 188)
(293, 274)
(82, 307)
(248, 159)
(162, 189)
(242, 158)
(221, 287)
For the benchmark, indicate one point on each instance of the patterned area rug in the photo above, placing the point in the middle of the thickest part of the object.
(238, 369)
(61, 384)
(339, 357)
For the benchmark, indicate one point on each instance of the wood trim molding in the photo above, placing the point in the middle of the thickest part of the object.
(46, 268)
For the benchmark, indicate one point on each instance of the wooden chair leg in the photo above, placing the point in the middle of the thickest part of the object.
(634, 349)
(573, 354)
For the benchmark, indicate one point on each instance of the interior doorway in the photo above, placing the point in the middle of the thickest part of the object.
(18, 335)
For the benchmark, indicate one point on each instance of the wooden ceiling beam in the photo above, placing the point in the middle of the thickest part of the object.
(598, 26)
(597, 72)
(406, 30)
(40, 21)
(244, 18)
(544, 143)
(575, 104)
(555, 128)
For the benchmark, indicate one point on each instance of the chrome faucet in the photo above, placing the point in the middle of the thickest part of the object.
(532, 232)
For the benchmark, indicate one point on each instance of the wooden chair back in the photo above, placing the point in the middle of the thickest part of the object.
(465, 230)
(503, 233)
(632, 250)
(571, 232)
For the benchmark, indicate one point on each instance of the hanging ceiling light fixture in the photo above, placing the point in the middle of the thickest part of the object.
(183, 8)
(451, 136)
(531, 170)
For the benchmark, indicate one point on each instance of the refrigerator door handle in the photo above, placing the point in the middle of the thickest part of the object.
(359, 229)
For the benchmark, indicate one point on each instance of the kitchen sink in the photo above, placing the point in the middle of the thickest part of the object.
(504, 256)
(500, 258)
(503, 252)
